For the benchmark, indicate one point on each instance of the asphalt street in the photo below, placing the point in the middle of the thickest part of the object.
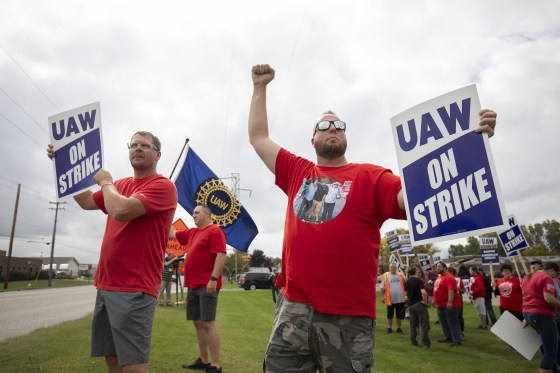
(22, 312)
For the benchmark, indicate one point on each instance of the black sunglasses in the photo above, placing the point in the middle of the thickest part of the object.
(326, 124)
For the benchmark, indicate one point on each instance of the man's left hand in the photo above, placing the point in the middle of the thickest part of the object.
(103, 177)
(487, 122)
(211, 287)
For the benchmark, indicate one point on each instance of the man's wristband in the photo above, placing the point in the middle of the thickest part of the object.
(212, 278)
(105, 184)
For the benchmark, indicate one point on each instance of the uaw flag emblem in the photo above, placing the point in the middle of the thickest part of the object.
(225, 207)
(198, 185)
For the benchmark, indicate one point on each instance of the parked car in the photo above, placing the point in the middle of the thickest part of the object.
(254, 280)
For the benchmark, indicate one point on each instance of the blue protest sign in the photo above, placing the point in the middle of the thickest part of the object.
(489, 256)
(513, 239)
(77, 140)
(394, 259)
(449, 179)
(392, 240)
(405, 248)
(425, 263)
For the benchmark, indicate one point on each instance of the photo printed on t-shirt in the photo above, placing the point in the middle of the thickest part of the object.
(319, 200)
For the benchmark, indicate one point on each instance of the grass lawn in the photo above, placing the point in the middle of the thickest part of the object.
(244, 320)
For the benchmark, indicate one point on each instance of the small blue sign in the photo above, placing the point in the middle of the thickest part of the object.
(513, 239)
(489, 256)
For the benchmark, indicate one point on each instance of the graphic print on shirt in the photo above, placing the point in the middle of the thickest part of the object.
(319, 200)
(505, 289)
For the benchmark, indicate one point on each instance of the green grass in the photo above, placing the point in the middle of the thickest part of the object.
(43, 284)
(244, 321)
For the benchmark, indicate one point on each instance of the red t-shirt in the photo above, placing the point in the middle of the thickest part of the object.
(333, 264)
(203, 245)
(443, 284)
(132, 251)
(510, 293)
(477, 287)
(533, 289)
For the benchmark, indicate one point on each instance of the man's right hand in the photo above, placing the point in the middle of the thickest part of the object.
(262, 74)
(50, 151)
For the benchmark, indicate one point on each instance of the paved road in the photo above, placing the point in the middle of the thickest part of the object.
(21, 312)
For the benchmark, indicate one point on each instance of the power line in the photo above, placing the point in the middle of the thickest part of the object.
(19, 129)
(29, 77)
(25, 111)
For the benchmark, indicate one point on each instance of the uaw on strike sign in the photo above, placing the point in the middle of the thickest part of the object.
(76, 138)
(448, 176)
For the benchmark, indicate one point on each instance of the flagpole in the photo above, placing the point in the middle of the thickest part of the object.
(180, 154)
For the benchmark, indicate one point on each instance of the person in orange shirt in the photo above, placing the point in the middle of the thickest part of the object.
(394, 297)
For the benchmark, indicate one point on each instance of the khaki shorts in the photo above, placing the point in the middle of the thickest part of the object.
(304, 340)
(479, 307)
(317, 205)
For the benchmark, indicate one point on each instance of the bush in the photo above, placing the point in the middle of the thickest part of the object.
(44, 274)
(21, 276)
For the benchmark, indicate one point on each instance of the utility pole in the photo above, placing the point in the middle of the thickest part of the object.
(53, 235)
(235, 189)
(12, 239)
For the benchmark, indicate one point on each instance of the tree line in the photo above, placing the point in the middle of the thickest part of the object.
(543, 239)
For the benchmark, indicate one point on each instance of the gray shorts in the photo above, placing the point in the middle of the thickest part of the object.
(201, 305)
(304, 340)
(122, 326)
(479, 307)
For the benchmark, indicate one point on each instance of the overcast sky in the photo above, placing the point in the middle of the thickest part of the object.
(182, 69)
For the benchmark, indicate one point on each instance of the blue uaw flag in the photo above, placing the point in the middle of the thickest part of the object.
(198, 185)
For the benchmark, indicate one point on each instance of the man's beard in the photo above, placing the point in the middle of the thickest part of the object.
(330, 151)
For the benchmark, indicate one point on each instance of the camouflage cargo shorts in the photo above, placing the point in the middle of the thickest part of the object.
(304, 340)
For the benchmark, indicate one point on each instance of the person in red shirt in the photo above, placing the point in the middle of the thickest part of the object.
(509, 290)
(461, 289)
(140, 211)
(312, 298)
(206, 255)
(448, 305)
(539, 303)
(478, 292)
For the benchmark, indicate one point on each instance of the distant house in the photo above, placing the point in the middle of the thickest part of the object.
(67, 263)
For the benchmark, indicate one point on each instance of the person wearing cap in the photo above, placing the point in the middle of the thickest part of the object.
(313, 300)
(330, 201)
(167, 278)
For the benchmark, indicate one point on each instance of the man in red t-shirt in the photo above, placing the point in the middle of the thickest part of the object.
(313, 299)
(140, 212)
(448, 305)
(478, 292)
(205, 260)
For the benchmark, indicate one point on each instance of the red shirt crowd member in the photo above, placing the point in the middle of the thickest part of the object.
(448, 304)
(539, 302)
(313, 250)
(140, 210)
(509, 290)
(204, 263)
(478, 292)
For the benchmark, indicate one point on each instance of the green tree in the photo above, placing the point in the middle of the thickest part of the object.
(235, 265)
(257, 258)
(552, 235)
